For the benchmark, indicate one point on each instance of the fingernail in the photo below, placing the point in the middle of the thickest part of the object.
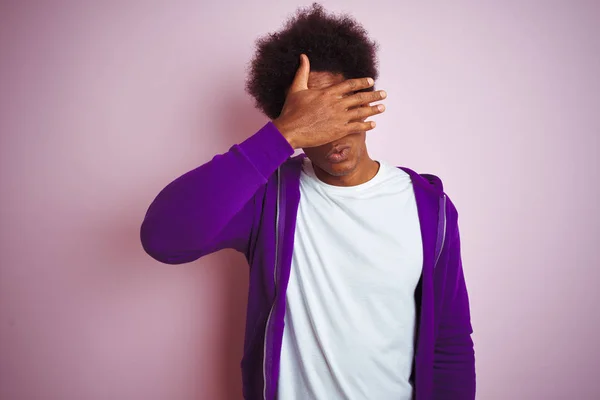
(370, 80)
(381, 107)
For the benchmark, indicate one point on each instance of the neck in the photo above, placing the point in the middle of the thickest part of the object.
(365, 170)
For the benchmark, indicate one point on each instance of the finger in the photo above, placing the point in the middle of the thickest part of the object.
(362, 98)
(351, 85)
(362, 113)
(353, 127)
(300, 81)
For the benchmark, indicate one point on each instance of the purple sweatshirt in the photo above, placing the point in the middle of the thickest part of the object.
(247, 199)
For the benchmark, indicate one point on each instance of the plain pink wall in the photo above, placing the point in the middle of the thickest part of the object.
(102, 105)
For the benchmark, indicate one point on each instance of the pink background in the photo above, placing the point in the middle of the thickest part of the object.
(102, 105)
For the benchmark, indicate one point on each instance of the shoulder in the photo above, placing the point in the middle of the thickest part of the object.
(431, 182)
(435, 184)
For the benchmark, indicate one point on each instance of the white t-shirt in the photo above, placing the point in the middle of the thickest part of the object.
(350, 308)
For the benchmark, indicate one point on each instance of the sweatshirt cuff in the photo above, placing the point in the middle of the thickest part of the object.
(267, 149)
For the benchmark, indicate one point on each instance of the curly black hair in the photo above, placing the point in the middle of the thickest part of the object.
(336, 44)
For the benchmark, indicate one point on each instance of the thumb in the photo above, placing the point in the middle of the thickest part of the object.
(301, 79)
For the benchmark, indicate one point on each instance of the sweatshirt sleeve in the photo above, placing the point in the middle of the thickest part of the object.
(454, 356)
(212, 206)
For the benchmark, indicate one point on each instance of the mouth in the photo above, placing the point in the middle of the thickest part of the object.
(338, 154)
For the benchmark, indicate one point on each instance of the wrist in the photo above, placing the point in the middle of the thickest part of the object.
(286, 132)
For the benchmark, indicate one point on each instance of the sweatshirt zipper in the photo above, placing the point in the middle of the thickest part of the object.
(443, 210)
(275, 286)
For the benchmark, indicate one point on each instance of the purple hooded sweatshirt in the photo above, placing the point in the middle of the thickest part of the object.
(247, 199)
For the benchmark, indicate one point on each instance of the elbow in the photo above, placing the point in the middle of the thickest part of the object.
(152, 243)
(157, 246)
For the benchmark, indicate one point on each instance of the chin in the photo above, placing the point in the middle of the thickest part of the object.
(339, 169)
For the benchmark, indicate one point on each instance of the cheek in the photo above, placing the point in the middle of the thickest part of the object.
(316, 153)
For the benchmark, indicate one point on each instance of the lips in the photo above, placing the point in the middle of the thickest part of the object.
(338, 154)
(337, 149)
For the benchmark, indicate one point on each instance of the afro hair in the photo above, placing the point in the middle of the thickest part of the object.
(336, 44)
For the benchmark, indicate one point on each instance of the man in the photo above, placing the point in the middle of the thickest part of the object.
(356, 283)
